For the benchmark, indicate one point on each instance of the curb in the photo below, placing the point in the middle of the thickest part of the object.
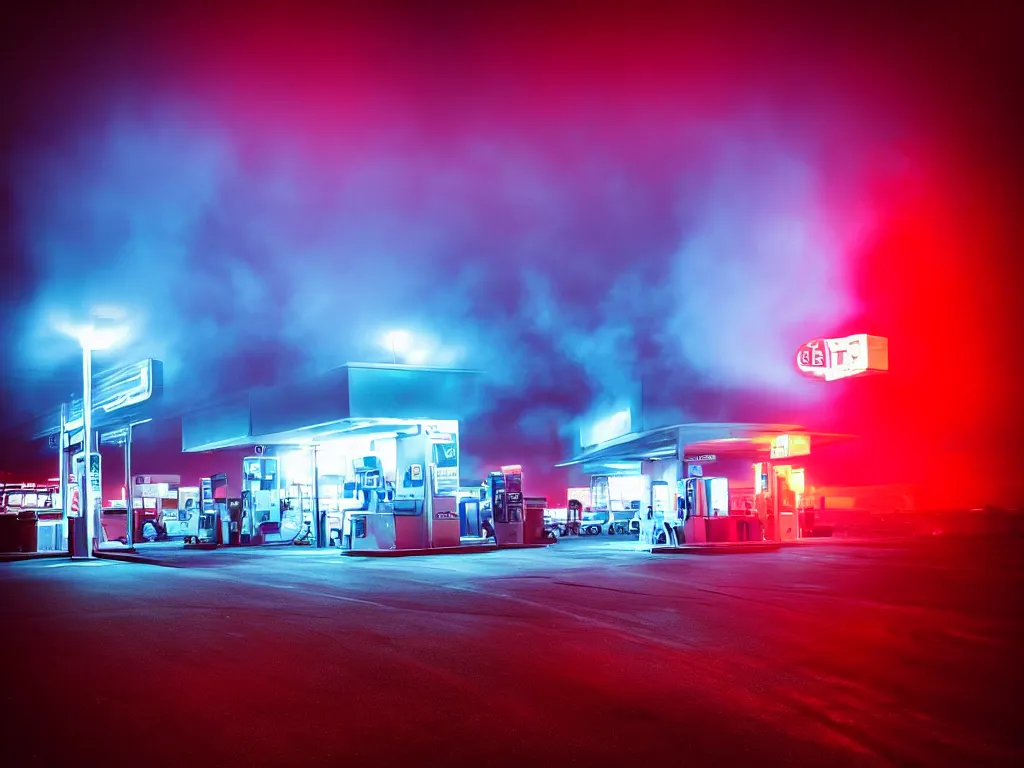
(126, 557)
(716, 549)
(429, 551)
(17, 557)
(843, 542)
(471, 550)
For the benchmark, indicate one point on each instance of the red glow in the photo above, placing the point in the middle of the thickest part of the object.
(904, 135)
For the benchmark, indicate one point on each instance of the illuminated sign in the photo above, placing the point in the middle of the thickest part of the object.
(127, 386)
(74, 413)
(703, 457)
(91, 480)
(114, 437)
(832, 359)
(582, 495)
(790, 446)
(446, 454)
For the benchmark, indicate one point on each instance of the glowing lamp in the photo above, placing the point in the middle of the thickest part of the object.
(398, 342)
(98, 338)
(106, 328)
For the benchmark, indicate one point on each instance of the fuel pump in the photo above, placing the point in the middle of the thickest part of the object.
(696, 504)
(211, 498)
(664, 514)
(375, 525)
(369, 483)
(263, 518)
(507, 504)
(444, 513)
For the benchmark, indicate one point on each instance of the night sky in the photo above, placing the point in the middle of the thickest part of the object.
(573, 200)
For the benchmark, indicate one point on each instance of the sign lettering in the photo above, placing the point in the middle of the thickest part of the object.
(832, 359)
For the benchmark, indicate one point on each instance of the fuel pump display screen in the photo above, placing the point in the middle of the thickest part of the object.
(513, 497)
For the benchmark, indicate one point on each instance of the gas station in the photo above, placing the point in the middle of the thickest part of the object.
(367, 458)
(692, 484)
(704, 483)
(364, 458)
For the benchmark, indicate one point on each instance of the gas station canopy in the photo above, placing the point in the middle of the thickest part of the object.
(729, 439)
(353, 399)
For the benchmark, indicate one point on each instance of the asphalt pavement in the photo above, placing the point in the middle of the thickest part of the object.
(588, 653)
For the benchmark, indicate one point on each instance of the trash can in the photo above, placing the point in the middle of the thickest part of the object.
(533, 523)
(807, 522)
(28, 534)
(8, 532)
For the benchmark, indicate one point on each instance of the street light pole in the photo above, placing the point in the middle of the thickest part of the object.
(129, 510)
(86, 482)
(319, 530)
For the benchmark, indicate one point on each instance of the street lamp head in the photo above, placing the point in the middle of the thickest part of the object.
(100, 337)
(106, 327)
(398, 341)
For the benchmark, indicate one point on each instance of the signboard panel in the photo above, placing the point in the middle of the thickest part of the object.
(112, 391)
(790, 446)
(89, 483)
(126, 386)
(74, 421)
(832, 359)
(74, 501)
(114, 437)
